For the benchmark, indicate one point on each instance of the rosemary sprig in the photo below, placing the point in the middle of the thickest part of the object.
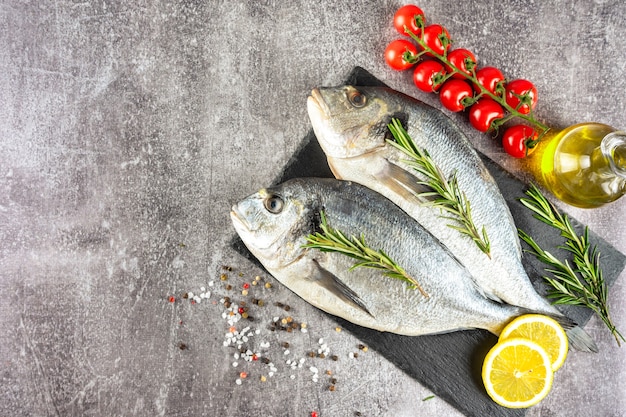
(333, 240)
(448, 196)
(581, 283)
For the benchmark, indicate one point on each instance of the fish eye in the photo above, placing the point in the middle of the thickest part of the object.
(273, 204)
(357, 99)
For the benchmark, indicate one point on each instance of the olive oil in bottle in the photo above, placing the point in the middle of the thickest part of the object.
(583, 165)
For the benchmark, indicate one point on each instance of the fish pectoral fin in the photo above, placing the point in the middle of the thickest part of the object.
(404, 183)
(338, 288)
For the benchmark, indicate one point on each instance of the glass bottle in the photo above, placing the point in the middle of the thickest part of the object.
(583, 165)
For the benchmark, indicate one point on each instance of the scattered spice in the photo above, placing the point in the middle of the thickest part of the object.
(241, 338)
(171, 299)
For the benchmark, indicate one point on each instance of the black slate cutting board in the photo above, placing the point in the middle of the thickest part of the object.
(450, 364)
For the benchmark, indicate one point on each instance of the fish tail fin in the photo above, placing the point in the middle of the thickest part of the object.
(581, 340)
(578, 338)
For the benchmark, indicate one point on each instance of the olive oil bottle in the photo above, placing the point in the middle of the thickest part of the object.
(583, 165)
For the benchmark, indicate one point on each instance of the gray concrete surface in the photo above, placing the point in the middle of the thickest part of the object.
(129, 128)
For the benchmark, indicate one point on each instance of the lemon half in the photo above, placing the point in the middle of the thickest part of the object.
(544, 331)
(517, 373)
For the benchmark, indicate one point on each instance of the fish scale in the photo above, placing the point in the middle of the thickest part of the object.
(349, 132)
(364, 296)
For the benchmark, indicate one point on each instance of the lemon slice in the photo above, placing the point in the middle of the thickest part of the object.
(542, 330)
(517, 373)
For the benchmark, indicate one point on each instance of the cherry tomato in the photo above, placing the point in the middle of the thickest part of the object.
(405, 16)
(426, 73)
(483, 113)
(489, 77)
(453, 94)
(463, 60)
(518, 140)
(396, 54)
(431, 37)
(521, 93)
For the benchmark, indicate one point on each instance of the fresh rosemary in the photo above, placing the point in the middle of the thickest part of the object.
(333, 240)
(581, 283)
(448, 196)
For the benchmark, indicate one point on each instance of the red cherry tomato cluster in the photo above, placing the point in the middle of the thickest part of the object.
(455, 76)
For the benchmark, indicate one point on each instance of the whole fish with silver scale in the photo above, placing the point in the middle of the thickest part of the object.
(274, 223)
(350, 124)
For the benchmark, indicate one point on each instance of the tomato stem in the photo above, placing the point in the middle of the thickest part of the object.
(499, 96)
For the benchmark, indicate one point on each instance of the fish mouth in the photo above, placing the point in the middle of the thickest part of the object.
(238, 219)
(317, 104)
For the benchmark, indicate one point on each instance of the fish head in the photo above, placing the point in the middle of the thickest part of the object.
(272, 223)
(350, 121)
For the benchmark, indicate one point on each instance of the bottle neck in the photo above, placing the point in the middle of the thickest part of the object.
(614, 150)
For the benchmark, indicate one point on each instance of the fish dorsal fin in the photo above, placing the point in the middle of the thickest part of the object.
(402, 182)
(338, 288)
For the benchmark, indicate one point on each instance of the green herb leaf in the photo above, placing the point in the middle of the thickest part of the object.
(448, 195)
(333, 240)
(580, 284)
